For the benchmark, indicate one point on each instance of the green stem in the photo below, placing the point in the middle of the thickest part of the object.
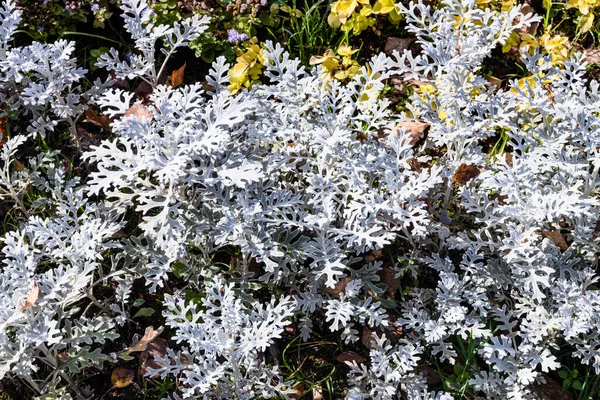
(92, 36)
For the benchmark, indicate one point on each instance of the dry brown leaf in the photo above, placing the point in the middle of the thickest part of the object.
(317, 393)
(32, 296)
(397, 44)
(372, 255)
(156, 348)
(64, 356)
(557, 238)
(299, 388)
(207, 87)
(550, 390)
(99, 120)
(388, 276)
(339, 288)
(494, 81)
(592, 56)
(121, 377)
(415, 129)
(349, 356)
(366, 338)
(139, 111)
(149, 335)
(19, 166)
(465, 173)
(177, 76)
(143, 91)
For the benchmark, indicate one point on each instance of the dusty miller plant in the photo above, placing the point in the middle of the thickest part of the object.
(304, 176)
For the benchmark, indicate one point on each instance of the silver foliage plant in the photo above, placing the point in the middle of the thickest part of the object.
(305, 176)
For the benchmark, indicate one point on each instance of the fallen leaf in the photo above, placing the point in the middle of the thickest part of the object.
(121, 377)
(207, 87)
(494, 81)
(465, 173)
(32, 296)
(177, 76)
(592, 56)
(317, 393)
(143, 91)
(366, 338)
(550, 390)
(349, 356)
(340, 287)
(415, 129)
(149, 335)
(557, 238)
(139, 111)
(373, 255)
(156, 348)
(388, 276)
(397, 44)
(299, 388)
(99, 120)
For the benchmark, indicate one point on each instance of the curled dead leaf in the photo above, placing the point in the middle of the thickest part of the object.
(592, 56)
(177, 76)
(465, 173)
(139, 111)
(121, 377)
(388, 276)
(340, 287)
(415, 130)
(349, 356)
(299, 388)
(92, 117)
(557, 238)
(149, 335)
(32, 296)
(397, 44)
(156, 348)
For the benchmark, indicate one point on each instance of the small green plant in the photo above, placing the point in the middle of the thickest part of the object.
(305, 31)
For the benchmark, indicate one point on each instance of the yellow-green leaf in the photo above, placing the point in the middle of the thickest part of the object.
(586, 22)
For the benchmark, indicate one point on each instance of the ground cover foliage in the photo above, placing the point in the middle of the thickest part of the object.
(284, 228)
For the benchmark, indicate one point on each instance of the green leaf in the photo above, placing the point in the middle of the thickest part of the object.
(178, 268)
(563, 374)
(138, 302)
(144, 312)
(126, 357)
(577, 385)
(586, 22)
